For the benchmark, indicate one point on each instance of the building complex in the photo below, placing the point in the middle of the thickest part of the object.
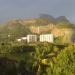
(40, 38)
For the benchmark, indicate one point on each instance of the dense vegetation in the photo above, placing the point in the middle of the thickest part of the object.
(21, 58)
(37, 59)
(13, 31)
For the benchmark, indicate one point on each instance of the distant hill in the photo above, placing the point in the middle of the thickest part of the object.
(14, 29)
(48, 17)
(62, 19)
(54, 20)
(46, 23)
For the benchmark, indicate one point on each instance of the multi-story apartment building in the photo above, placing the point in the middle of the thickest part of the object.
(31, 38)
(40, 38)
(46, 38)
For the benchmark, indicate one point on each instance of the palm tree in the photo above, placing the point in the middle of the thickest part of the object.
(41, 51)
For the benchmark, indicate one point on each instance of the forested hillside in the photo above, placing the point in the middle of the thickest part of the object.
(45, 23)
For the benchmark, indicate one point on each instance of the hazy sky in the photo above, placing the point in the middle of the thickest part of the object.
(13, 9)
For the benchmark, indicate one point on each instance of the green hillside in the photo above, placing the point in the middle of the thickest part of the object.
(15, 30)
(18, 28)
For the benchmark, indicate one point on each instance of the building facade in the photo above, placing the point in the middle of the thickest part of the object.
(40, 38)
(46, 38)
(31, 38)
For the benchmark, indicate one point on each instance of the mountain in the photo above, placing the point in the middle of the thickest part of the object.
(47, 17)
(46, 23)
(54, 20)
(62, 19)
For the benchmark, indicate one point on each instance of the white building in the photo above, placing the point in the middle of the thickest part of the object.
(24, 38)
(18, 40)
(46, 38)
(31, 38)
(34, 38)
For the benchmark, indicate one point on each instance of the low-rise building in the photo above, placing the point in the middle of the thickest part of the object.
(19, 40)
(46, 38)
(24, 38)
(34, 38)
(31, 38)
